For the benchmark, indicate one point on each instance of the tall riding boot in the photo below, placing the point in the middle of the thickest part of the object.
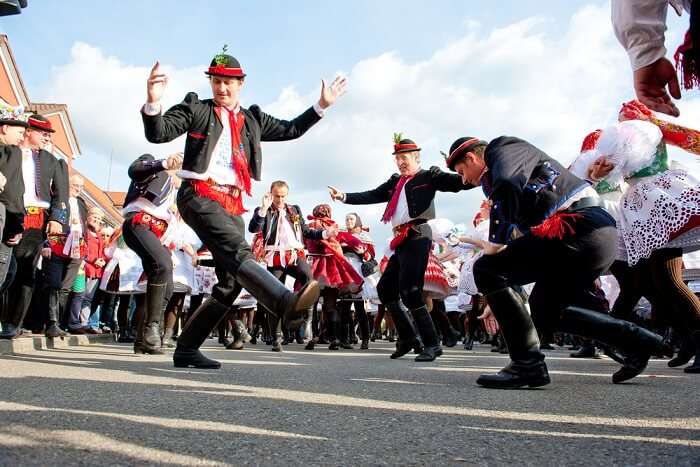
(428, 334)
(333, 328)
(273, 295)
(17, 309)
(408, 339)
(275, 325)
(637, 343)
(136, 324)
(527, 367)
(346, 328)
(150, 329)
(695, 367)
(52, 328)
(195, 332)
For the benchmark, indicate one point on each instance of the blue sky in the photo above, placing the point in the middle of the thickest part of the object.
(546, 71)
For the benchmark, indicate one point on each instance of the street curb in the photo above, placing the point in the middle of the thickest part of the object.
(30, 344)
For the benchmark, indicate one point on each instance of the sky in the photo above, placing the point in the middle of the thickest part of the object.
(544, 70)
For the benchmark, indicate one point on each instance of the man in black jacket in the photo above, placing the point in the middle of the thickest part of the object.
(283, 232)
(46, 202)
(567, 241)
(222, 154)
(410, 196)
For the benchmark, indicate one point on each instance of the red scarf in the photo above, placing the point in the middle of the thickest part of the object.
(394, 201)
(236, 120)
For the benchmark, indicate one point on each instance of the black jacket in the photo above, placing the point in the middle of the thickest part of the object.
(149, 180)
(13, 194)
(420, 191)
(268, 225)
(198, 119)
(51, 182)
(525, 186)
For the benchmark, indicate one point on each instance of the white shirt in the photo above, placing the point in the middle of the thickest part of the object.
(162, 212)
(30, 188)
(640, 26)
(401, 215)
(286, 238)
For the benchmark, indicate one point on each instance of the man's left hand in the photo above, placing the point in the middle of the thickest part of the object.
(493, 248)
(329, 94)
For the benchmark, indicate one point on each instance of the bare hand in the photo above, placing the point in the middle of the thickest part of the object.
(174, 161)
(600, 168)
(100, 262)
(46, 253)
(336, 194)
(329, 94)
(492, 248)
(156, 84)
(14, 240)
(54, 228)
(266, 202)
(650, 85)
(331, 231)
(489, 320)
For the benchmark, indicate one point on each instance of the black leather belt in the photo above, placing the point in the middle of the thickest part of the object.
(587, 202)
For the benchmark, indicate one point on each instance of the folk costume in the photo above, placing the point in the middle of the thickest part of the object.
(334, 273)
(361, 257)
(45, 181)
(222, 155)
(561, 219)
(147, 218)
(410, 204)
(658, 216)
(283, 233)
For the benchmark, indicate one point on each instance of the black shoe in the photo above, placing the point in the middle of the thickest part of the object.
(695, 367)
(364, 345)
(546, 347)
(147, 350)
(516, 376)
(451, 339)
(587, 350)
(685, 353)
(54, 331)
(310, 345)
(468, 343)
(9, 331)
(236, 344)
(335, 345)
(404, 347)
(277, 344)
(429, 354)
(193, 358)
(125, 338)
(347, 346)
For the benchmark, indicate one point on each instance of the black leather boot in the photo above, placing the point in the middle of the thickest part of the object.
(155, 303)
(527, 367)
(587, 350)
(52, 328)
(695, 367)
(195, 332)
(636, 343)
(407, 332)
(428, 334)
(333, 328)
(273, 295)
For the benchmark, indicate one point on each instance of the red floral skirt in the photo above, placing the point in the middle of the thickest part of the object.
(335, 272)
(435, 285)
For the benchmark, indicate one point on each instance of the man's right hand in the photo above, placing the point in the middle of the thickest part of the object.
(650, 85)
(156, 84)
(336, 194)
(266, 203)
(174, 161)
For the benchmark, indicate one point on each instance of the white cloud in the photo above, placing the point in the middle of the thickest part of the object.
(520, 80)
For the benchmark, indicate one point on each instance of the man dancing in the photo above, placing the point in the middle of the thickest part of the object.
(284, 230)
(410, 204)
(565, 228)
(222, 154)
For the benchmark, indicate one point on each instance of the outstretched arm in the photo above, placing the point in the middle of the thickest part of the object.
(381, 194)
(685, 138)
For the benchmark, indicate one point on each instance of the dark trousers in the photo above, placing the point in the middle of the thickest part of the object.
(405, 272)
(299, 271)
(563, 270)
(155, 257)
(59, 277)
(224, 236)
(20, 291)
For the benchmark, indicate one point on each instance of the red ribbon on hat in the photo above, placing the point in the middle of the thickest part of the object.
(405, 147)
(40, 124)
(224, 71)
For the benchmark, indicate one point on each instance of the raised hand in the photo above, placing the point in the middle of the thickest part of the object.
(650, 85)
(329, 94)
(336, 194)
(600, 168)
(174, 161)
(266, 203)
(156, 84)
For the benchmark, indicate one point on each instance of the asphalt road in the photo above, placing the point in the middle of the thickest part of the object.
(102, 405)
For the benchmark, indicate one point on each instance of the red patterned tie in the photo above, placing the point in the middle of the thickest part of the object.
(394, 201)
